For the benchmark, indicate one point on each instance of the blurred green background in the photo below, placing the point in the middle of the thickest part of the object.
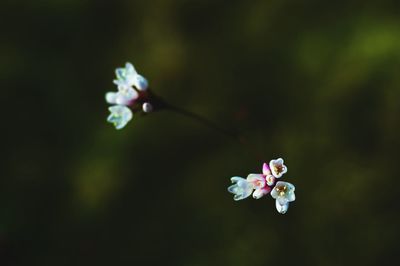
(314, 82)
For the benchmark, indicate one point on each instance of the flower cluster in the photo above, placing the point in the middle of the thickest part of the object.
(262, 184)
(131, 91)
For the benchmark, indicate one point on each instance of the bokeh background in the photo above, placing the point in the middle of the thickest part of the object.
(314, 82)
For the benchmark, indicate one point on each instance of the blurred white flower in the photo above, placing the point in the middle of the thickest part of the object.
(120, 116)
(128, 77)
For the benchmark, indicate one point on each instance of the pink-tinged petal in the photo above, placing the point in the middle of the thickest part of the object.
(258, 193)
(266, 170)
(257, 180)
(255, 177)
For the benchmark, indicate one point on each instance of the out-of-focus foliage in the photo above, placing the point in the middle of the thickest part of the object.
(314, 82)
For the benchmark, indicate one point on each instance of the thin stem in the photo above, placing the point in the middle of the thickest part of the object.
(203, 120)
(210, 124)
(160, 104)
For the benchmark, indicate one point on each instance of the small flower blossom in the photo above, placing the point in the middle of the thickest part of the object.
(242, 188)
(262, 184)
(268, 176)
(120, 116)
(283, 193)
(128, 77)
(259, 184)
(277, 167)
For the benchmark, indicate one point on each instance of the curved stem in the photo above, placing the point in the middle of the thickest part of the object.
(212, 125)
(160, 104)
(202, 120)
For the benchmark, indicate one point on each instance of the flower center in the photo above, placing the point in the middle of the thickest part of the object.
(281, 190)
(270, 180)
(279, 168)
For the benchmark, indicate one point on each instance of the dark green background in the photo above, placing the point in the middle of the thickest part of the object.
(314, 82)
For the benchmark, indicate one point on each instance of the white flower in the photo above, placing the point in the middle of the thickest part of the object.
(277, 167)
(242, 189)
(283, 193)
(128, 77)
(120, 116)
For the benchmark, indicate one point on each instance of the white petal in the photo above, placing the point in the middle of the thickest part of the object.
(246, 192)
(240, 196)
(111, 97)
(281, 208)
(236, 179)
(140, 83)
(120, 73)
(244, 184)
(232, 188)
(126, 95)
(291, 196)
(290, 186)
(282, 200)
(120, 83)
(130, 69)
(284, 169)
(123, 100)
